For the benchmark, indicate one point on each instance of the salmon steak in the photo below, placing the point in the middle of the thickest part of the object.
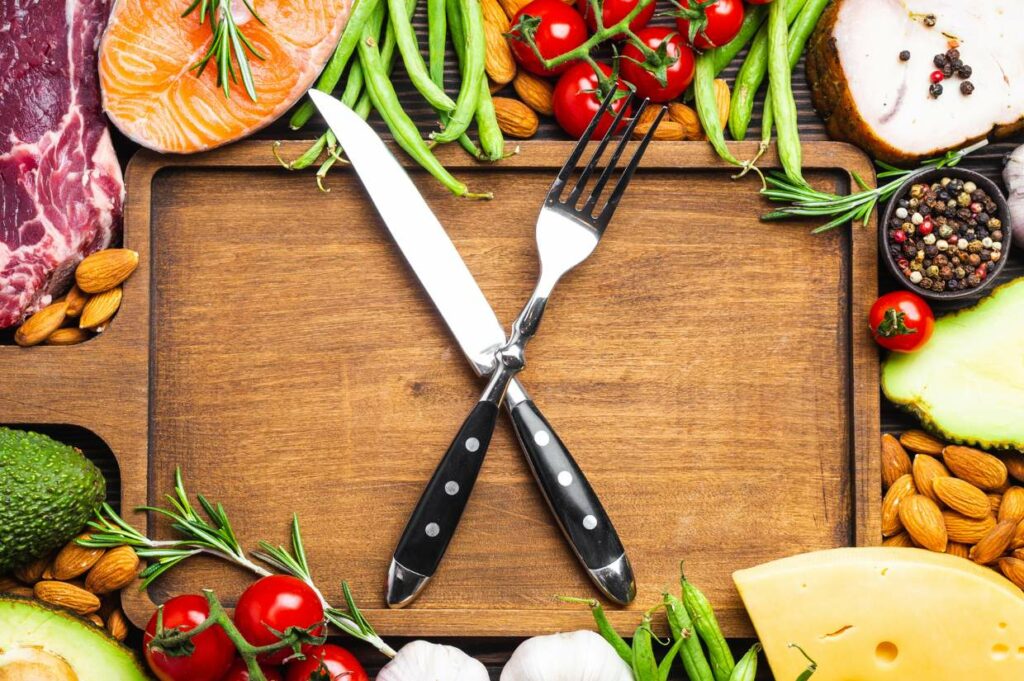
(153, 95)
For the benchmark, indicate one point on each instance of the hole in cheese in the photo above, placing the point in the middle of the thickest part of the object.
(887, 652)
(1000, 651)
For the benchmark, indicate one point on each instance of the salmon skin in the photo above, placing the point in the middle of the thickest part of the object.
(151, 94)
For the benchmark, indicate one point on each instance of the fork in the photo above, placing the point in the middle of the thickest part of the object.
(566, 236)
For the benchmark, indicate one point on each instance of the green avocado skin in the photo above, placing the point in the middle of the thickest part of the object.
(48, 491)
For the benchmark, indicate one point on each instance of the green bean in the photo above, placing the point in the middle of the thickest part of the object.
(706, 625)
(694, 661)
(604, 627)
(450, 13)
(413, 58)
(782, 100)
(751, 76)
(707, 107)
(491, 138)
(752, 21)
(746, 668)
(665, 666)
(437, 27)
(645, 667)
(407, 135)
(362, 12)
(472, 65)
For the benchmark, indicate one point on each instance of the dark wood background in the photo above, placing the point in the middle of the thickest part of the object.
(494, 651)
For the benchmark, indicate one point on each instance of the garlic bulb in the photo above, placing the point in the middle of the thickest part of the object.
(576, 656)
(423, 661)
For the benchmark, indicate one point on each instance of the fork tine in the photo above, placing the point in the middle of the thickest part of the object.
(591, 166)
(595, 194)
(627, 174)
(570, 165)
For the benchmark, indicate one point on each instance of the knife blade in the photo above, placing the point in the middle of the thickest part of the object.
(441, 271)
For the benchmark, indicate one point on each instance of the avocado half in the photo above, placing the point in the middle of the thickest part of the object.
(39, 642)
(48, 491)
(967, 384)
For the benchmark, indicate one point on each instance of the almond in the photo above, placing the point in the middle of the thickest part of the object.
(975, 466)
(512, 7)
(8, 583)
(1019, 553)
(23, 591)
(723, 100)
(1013, 570)
(923, 520)
(686, 117)
(117, 625)
(1015, 465)
(994, 544)
(74, 560)
(895, 461)
(1012, 505)
(957, 549)
(32, 572)
(76, 301)
(901, 489)
(96, 619)
(103, 270)
(994, 502)
(962, 496)
(667, 130)
(921, 442)
(967, 530)
(1018, 537)
(100, 308)
(498, 61)
(74, 598)
(926, 469)
(39, 326)
(68, 336)
(114, 571)
(515, 118)
(536, 93)
(901, 540)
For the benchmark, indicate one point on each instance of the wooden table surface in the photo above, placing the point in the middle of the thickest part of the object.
(494, 651)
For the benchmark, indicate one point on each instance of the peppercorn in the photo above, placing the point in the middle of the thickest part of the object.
(937, 76)
(966, 87)
(965, 71)
(939, 60)
(952, 54)
(929, 20)
(905, 55)
(899, 236)
(935, 90)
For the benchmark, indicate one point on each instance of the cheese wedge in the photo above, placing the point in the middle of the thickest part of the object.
(886, 614)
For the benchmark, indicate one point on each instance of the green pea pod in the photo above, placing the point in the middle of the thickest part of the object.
(665, 666)
(331, 74)
(690, 652)
(746, 668)
(645, 667)
(751, 75)
(782, 100)
(706, 625)
(707, 107)
(472, 66)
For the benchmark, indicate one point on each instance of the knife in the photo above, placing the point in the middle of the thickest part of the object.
(441, 271)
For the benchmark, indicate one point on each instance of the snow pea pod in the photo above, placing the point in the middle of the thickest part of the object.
(706, 625)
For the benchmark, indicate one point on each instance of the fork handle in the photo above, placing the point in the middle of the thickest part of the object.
(574, 504)
(439, 509)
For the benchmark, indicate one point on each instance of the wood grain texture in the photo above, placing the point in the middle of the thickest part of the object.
(701, 367)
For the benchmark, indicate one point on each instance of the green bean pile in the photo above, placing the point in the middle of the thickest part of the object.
(777, 34)
(367, 52)
(694, 627)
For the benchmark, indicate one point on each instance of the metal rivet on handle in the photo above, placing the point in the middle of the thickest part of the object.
(433, 529)
(472, 444)
(589, 522)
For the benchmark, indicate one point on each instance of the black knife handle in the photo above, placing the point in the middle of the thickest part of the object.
(572, 500)
(432, 524)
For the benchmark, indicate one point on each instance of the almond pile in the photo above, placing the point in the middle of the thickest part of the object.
(954, 499)
(87, 307)
(82, 580)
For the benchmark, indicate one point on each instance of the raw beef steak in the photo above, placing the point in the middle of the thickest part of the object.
(60, 183)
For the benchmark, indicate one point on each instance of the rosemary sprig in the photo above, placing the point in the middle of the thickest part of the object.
(216, 537)
(809, 202)
(228, 40)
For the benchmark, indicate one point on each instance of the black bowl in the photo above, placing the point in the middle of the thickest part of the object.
(930, 175)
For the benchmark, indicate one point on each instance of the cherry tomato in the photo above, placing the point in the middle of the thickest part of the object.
(276, 602)
(560, 30)
(614, 11)
(717, 23)
(213, 649)
(326, 663)
(239, 672)
(576, 100)
(678, 72)
(901, 321)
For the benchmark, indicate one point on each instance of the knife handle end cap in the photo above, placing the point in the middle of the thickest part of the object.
(404, 585)
(616, 580)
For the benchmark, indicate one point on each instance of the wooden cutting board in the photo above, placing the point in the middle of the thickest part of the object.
(710, 372)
